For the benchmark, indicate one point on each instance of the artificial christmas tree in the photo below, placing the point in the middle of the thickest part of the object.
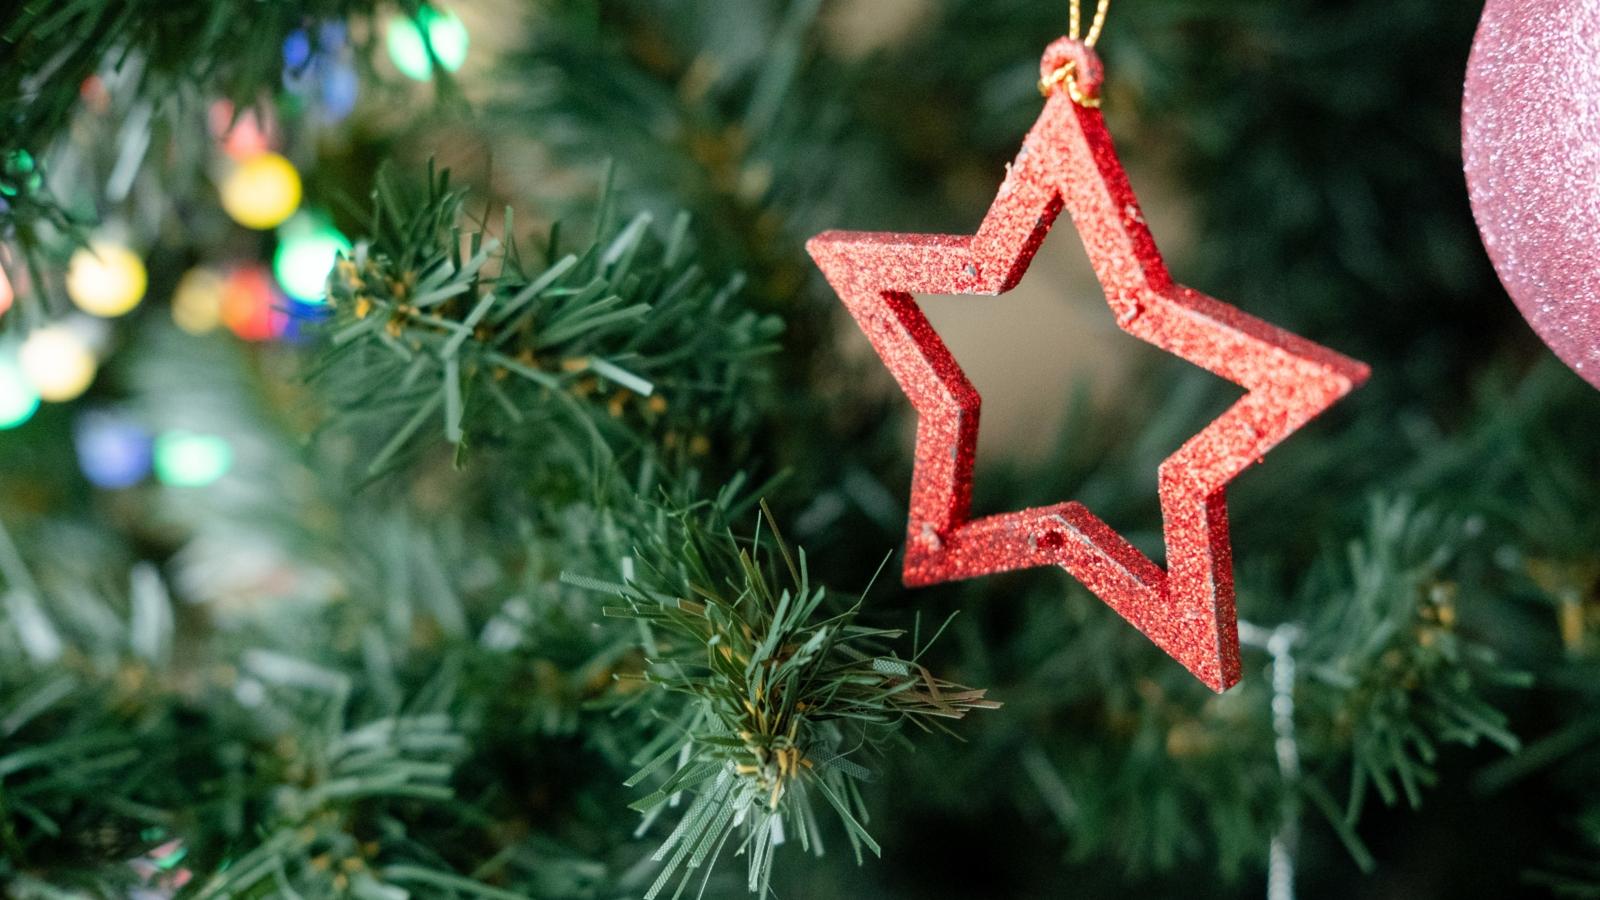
(395, 548)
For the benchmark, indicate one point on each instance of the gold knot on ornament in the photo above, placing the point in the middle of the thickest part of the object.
(1066, 75)
(1072, 64)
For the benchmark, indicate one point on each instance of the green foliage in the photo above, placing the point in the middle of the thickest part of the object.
(337, 821)
(398, 690)
(625, 344)
(786, 695)
(1574, 876)
(277, 775)
(717, 106)
(232, 47)
(75, 723)
(1400, 678)
(165, 57)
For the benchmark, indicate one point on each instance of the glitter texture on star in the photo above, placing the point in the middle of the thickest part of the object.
(1068, 162)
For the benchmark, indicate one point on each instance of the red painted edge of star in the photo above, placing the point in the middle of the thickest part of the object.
(1068, 162)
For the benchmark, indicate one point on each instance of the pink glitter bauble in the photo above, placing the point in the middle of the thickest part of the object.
(1531, 146)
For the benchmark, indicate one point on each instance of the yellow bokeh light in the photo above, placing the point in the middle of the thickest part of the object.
(262, 191)
(57, 362)
(106, 279)
(197, 302)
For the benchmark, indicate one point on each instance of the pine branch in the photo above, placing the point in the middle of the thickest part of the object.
(621, 346)
(785, 693)
(229, 765)
(81, 737)
(337, 822)
(1570, 875)
(233, 46)
(743, 124)
(1396, 666)
(1393, 677)
(166, 52)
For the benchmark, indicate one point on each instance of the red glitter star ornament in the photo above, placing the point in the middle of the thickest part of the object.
(1068, 161)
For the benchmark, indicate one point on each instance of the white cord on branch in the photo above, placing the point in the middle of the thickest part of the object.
(1279, 643)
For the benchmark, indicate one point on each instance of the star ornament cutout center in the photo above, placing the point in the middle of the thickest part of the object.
(1068, 162)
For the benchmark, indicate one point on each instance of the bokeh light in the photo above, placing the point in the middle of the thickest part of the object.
(197, 301)
(307, 249)
(332, 35)
(250, 304)
(106, 279)
(261, 192)
(19, 174)
(57, 361)
(253, 133)
(114, 452)
(409, 52)
(96, 96)
(18, 399)
(8, 294)
(322, 73)
(187, 459)
(298, 319)
(296, 49)
(340, 89)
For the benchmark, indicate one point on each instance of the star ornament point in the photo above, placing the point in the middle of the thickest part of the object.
(1067, 163)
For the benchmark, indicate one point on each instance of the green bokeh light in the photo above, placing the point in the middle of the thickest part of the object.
(410, 54)
(18, 399)
(187, 459)
(18, 173)
(307, 248)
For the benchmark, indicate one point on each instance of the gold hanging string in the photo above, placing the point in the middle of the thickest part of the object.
(1095, 27)
(1066, 74)
(1099, 23)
